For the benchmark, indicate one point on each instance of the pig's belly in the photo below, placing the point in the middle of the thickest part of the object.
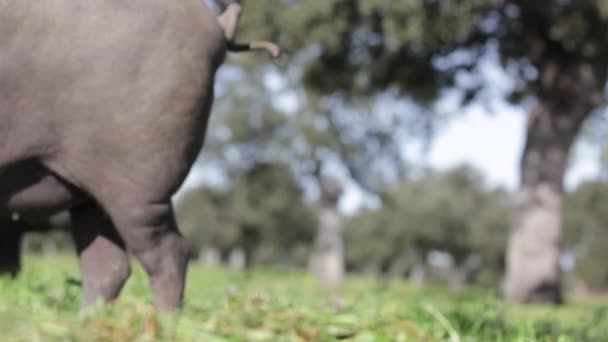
(31, 191)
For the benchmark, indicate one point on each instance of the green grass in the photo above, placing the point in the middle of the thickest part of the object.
(279, 305)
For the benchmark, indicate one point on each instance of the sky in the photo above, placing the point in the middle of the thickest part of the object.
(492, 143)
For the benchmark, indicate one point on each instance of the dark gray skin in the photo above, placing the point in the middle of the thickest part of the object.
(103, 104)
(15, 226)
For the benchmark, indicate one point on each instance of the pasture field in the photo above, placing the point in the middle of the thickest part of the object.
(279, 305)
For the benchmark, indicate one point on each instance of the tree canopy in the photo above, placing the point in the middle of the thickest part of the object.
(366, 75)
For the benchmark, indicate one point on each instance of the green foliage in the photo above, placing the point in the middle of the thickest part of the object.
(450, 212)
(421, 47)
(204, 217)
(362, 47)
(267, 112)
(278, 305)
(256, 120)
(263, 212)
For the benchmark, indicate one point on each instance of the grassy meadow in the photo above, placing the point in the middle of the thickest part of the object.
(279, 305)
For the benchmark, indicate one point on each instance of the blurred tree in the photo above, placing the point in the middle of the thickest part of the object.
(204, 217)
(262, 215)
(450, 212)
(327, 258)
(323, 141)
(264, 113)
(586, 221)
(277, 223)
(555, 52)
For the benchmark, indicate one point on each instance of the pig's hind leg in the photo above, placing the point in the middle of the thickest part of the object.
(104, 263)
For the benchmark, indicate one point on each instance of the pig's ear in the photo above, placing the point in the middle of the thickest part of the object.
(229, 20)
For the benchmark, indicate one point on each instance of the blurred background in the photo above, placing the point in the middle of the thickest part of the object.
(460, 143)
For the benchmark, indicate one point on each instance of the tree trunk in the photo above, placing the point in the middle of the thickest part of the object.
(49, 245)
(418, 274)
(10, 250)
(532, 260)
(210, 256)
(237, 260)
(327, 259)
(418, 271)
(465, 273)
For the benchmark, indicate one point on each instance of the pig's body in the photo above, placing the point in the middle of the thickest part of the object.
(103, 105)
